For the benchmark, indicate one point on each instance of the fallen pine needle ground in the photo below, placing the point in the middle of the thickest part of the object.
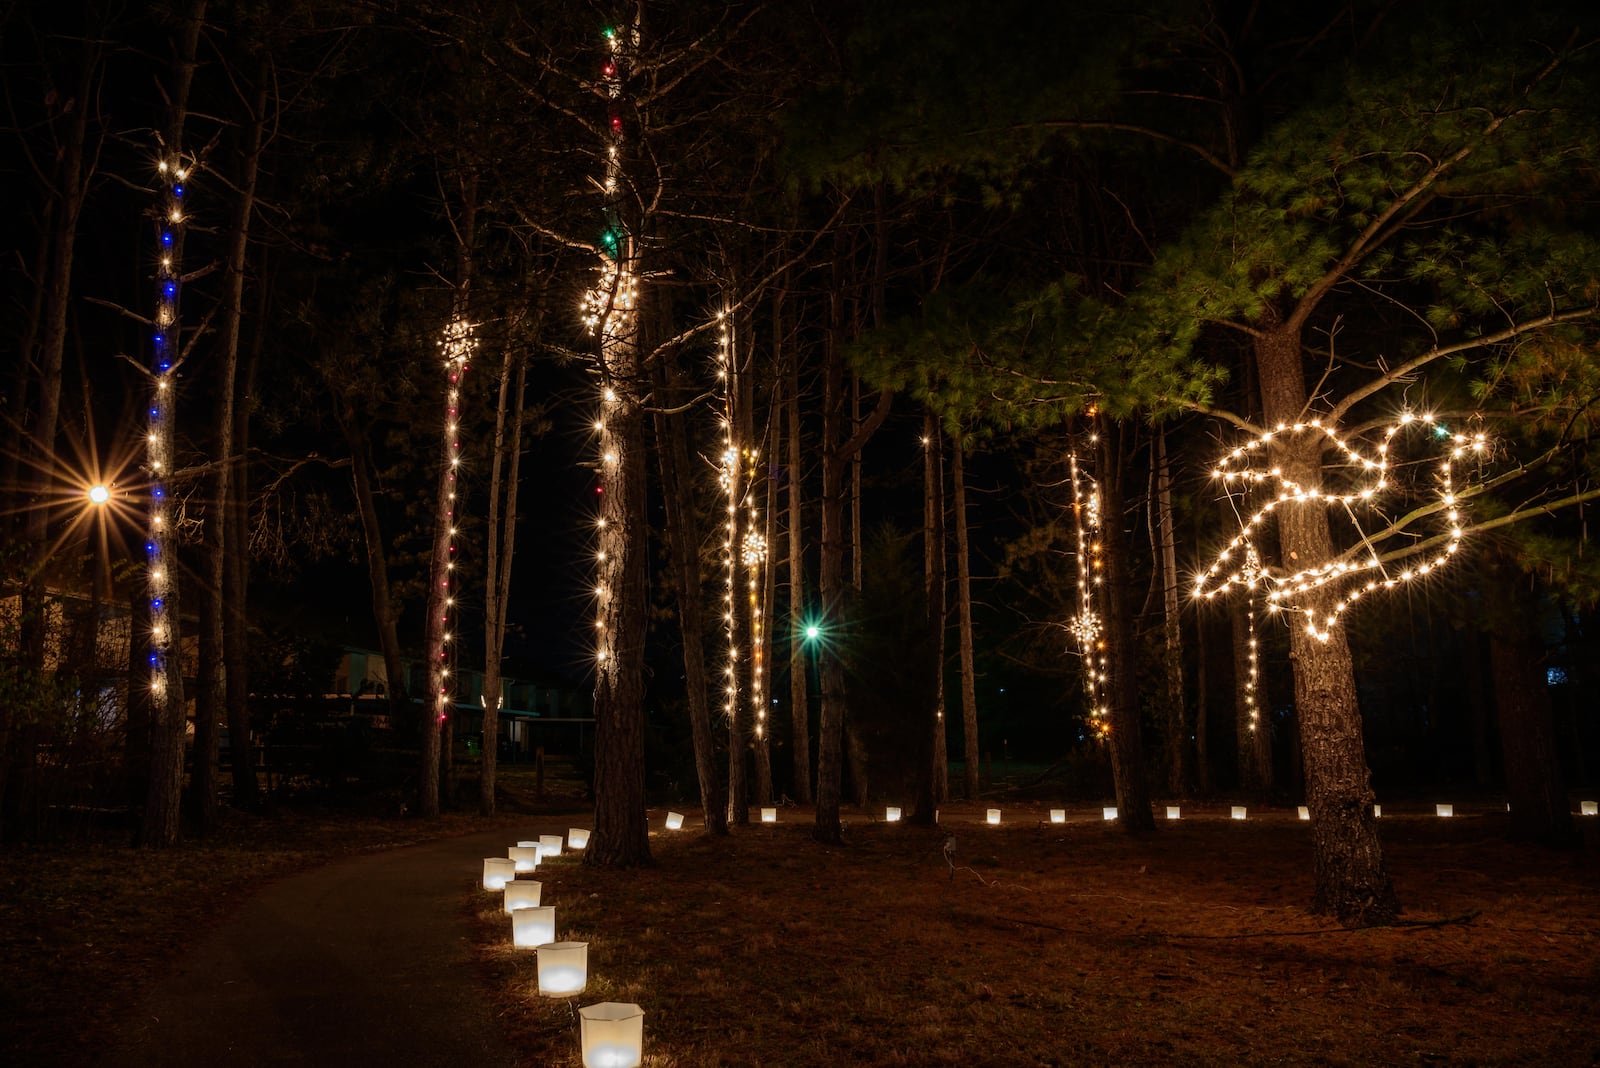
(1045, 944)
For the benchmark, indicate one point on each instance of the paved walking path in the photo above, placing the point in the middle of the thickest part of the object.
(366, 961)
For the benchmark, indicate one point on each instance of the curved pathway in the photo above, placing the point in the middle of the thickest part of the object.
(368, 960)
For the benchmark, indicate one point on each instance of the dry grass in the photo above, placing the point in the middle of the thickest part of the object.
(1072, 945)
(84, 925)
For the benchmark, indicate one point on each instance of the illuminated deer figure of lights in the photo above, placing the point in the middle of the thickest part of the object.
(1364, 567)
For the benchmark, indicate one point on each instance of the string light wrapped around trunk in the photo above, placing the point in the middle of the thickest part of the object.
(1088, 627)
(607, 310)
(159, 441)
(455, 348)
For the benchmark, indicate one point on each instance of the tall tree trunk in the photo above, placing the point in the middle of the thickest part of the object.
(1535, 786)
(504, 476)
(385, 613)
(621, 831)
(168, 712)
(799, 653)
(1122, 686)
(683, 544)
(925, 804)
(733, 447)
(236, 567)
(969, 674)
(1478, 717)
(439, 758)
(211, 694)
(762, 646)
(831, 595)
(1175, 720)
(1352, 882)
(1202, 710)
(136, 737)
(855, 745)
(621, 827)
(836, 456)
(457, 347)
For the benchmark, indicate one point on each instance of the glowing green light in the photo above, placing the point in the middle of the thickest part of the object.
(813, 632)
(1440, 430)
(610, 34)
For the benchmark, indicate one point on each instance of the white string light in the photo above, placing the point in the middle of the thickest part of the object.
(1357, 571)
(736, 476)
(1088, 626)
(159, 446)
(607, 310)
(728, 479)
(456, 347)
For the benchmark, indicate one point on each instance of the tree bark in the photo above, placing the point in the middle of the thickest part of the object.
(621, 830)
(969, 673)
(831, 591)
(385, 614)
(1352, 882)
(925, 804)
(799, 666)
(683, 544)
(211, 696)
(1202, 710)
(733, 472)
(504, 477)
(836, 456)
(1175, 720)
(855, 745)
(1134, 813)
(1541, 811)
(236, 557)
(136, 737)
(168, 713)
(762, 647)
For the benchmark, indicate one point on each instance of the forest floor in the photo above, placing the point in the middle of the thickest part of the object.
(85, 924)
(1072, 944)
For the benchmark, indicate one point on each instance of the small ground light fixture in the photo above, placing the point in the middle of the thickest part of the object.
(578, 838)
(550, 845)
(1174, 812)
(1109, 812)
(525, 857)
(522, 894)
(1305, 813)
(769, 815)
(533, 927)
(563, 968)
(1589, 808)
(1058, 815)
(1444, 810)
(1240, 812)
(891, 814)
(497, 871)
(994, 817)
(674, 821)
(611, 1035)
